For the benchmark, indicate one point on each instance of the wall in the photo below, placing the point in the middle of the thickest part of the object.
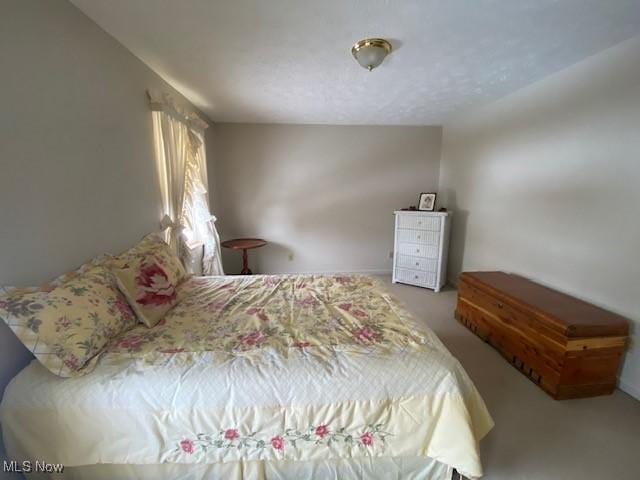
(545, 183)
(323, 196)
(77, 168)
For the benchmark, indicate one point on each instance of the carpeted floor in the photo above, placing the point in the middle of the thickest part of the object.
(535, 437)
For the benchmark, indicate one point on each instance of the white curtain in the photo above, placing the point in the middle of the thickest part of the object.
(200, 224)
(182, 169)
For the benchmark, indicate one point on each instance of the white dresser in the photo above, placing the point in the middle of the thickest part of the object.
(420, 248)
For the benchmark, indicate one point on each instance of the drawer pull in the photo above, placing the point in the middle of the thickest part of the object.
(417, 250)
(419, 223)
(415, 276)
(500, 305)
(419, 237)
(417, 264)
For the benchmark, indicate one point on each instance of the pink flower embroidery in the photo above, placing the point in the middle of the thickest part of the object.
(301, 344)
(366, 439)
(251, 338)
(231, 434)
(359, 313)
(322, 430)
(187, 446)
(270, 282)
(344, 280)
(277, 442)
(155, 285)
(345, 306)
(366, 335)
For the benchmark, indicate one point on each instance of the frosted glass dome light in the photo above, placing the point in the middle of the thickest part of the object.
(370, 52)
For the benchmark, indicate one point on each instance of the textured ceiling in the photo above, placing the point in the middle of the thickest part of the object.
(289, 61)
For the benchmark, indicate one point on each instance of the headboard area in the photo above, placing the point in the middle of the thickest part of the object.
(77, 161)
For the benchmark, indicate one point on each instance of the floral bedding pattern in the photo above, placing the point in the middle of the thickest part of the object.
(153, 245)
(321, 434)
(67, 324)
(148, 275)
(240, 316)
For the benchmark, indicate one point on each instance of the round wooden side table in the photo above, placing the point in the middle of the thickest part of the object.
(244, 244)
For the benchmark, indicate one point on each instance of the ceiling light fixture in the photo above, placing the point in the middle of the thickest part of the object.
(370, 52)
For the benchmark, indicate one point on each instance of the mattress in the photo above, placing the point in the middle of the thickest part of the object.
(279, 369)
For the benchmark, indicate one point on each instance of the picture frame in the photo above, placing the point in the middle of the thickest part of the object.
(427, 202)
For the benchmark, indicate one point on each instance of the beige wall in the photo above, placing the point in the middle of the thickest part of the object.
(77, 171)
(323, 196)
(545, 183)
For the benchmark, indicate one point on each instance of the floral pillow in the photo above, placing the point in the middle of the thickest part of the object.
(153, 244)
(149, 275)
(66, 326)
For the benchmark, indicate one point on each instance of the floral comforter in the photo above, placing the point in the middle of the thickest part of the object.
(248, 315)
(296, 368)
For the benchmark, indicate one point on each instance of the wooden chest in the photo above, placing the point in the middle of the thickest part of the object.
(567, 346)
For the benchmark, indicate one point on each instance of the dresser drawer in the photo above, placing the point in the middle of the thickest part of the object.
(419, 222)
(418, 250)
(426, 237)
(417, 263)
(414, 277)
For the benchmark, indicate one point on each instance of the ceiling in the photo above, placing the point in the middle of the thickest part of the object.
(289, 61)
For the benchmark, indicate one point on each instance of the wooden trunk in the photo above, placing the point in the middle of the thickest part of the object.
(568, 347)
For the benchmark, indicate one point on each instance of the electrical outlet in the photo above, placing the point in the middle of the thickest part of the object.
(291, 257)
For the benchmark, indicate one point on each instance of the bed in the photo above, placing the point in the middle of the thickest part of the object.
(289, 376)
